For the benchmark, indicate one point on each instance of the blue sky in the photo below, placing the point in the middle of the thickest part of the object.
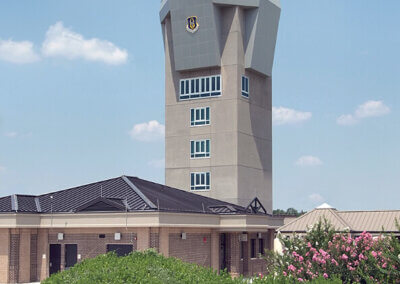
(82, 98)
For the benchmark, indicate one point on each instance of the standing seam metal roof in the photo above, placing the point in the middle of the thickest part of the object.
(133, 193)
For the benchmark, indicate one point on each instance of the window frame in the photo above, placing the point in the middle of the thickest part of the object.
(199, 121)
(198, 155)
(245, 93)
(192, 88)
(200, 185)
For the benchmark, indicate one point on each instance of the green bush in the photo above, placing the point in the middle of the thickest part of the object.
(138, 267)
(151, 267)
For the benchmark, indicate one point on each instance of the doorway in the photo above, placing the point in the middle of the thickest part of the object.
(222, 251)
(55, 258)
(71, 255)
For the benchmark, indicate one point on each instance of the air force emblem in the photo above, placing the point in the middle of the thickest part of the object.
(191, 24)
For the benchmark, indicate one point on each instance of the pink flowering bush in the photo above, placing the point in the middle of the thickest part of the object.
(324, 254)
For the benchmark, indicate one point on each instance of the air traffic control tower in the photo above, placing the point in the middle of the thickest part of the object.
(218, 64)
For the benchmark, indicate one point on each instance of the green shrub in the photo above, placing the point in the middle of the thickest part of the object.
(138, 267)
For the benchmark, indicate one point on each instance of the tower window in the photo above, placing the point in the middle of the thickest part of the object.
(202, 87)
(200, 148)
(200, 116)
(245, 86)
(200, 181)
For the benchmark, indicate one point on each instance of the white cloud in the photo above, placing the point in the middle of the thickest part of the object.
(19, 52)
(148, 131)
(367, 109)
(63, 42)
(308, 161)
(282, 115)
(14, 134)
(316, 198)
(158, 164)
(372, 109)
(346, 119)
(11, 134)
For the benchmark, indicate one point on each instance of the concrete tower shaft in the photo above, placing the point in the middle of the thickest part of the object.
(218, 63)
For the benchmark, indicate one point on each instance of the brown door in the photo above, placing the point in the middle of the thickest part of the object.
(222, 252)
(55, 258)
(71, 255)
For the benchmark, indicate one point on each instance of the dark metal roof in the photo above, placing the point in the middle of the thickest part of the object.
(5, 204)
(172, 199)
(26, 203)
(119, 194)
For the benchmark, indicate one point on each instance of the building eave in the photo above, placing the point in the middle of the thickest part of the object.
(139, 219)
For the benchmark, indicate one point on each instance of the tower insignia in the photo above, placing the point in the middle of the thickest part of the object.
(191, 24)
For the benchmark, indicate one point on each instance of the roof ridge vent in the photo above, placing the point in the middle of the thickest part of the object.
(14, 202)
(325, 206)
(138, 192)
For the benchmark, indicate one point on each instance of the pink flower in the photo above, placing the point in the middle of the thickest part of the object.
(384, 265)
(344, 257)
(361, 256)
(284, 273)
(374, 254)
(292, 268)
(324, 253)
(325, 275)
(300, 279)
(301, 258)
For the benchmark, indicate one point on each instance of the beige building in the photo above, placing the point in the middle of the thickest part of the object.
(355, 222)
(41, 235)
(218, 65)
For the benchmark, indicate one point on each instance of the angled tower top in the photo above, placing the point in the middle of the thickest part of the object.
(205, 47)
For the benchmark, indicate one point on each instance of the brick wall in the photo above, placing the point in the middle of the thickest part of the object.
(233, 254)
(154, 241)
(90, 244)
(33, 257)
(14, 258)
(257, 265)
(195, 249)
(4, 254)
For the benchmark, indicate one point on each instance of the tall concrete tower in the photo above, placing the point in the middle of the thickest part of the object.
(218, 63)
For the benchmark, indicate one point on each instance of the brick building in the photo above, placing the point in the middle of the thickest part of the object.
(40, 235)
